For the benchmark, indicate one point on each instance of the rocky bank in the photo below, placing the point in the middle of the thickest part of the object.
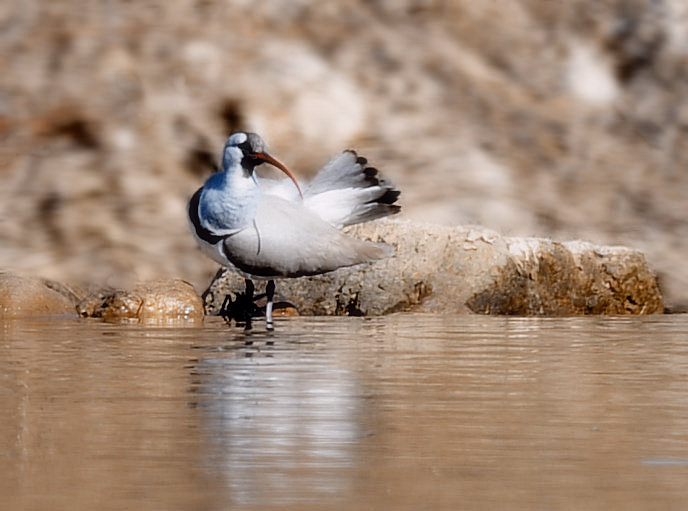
(471, 269)
(434, 269)
(563, 120)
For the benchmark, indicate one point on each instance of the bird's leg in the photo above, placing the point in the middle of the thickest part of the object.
(248, 302)
(225, 310)
(208, 292)
(269, 295)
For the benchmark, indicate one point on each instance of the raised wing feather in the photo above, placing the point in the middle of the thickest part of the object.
(346, 191)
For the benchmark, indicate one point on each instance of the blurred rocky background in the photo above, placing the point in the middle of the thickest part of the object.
(531, 117)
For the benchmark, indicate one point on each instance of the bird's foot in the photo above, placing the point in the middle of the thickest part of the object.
(244, 308)
(241, 310)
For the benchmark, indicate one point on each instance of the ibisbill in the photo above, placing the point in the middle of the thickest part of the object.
(276, 228)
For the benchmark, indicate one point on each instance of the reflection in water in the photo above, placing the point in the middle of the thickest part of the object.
(402, 412)
(278, 423)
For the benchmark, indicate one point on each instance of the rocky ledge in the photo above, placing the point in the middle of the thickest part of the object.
(434, 269)
(471, 269)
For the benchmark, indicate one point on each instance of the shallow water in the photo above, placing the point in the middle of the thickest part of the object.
(401, 412)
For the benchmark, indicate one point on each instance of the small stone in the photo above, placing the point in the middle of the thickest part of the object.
(29, 296)
(151, 302)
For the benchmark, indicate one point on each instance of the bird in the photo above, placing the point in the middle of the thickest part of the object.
(275, 228)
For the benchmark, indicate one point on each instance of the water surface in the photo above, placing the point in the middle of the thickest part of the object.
(401, 412)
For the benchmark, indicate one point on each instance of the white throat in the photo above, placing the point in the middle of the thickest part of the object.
(229, 199)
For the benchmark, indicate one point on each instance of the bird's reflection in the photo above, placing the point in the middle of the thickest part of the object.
(279, 414)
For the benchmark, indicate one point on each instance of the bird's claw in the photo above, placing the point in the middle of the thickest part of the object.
(241, 310)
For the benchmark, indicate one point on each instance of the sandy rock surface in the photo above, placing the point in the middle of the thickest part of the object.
(471, 269)
(564, 120)
(28, 296)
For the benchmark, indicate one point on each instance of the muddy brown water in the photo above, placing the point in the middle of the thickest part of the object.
(400, 412)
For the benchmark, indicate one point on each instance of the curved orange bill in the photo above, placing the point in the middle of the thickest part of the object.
(272, 161)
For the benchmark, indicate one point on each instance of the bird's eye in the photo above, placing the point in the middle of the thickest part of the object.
(246, 148)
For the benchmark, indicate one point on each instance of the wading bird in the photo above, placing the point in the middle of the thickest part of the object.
(267, 229)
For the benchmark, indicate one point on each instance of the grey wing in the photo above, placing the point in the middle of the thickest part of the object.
(288, 240)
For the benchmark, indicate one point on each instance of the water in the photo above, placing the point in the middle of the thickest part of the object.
(401, 412)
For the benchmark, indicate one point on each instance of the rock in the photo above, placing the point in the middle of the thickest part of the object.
(549, 278)
(162, 300)
(27, 296)
(472, 269)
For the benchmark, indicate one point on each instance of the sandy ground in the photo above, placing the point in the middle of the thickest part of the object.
(531, 117)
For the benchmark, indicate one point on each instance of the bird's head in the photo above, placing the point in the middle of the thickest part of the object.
(248, 150)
